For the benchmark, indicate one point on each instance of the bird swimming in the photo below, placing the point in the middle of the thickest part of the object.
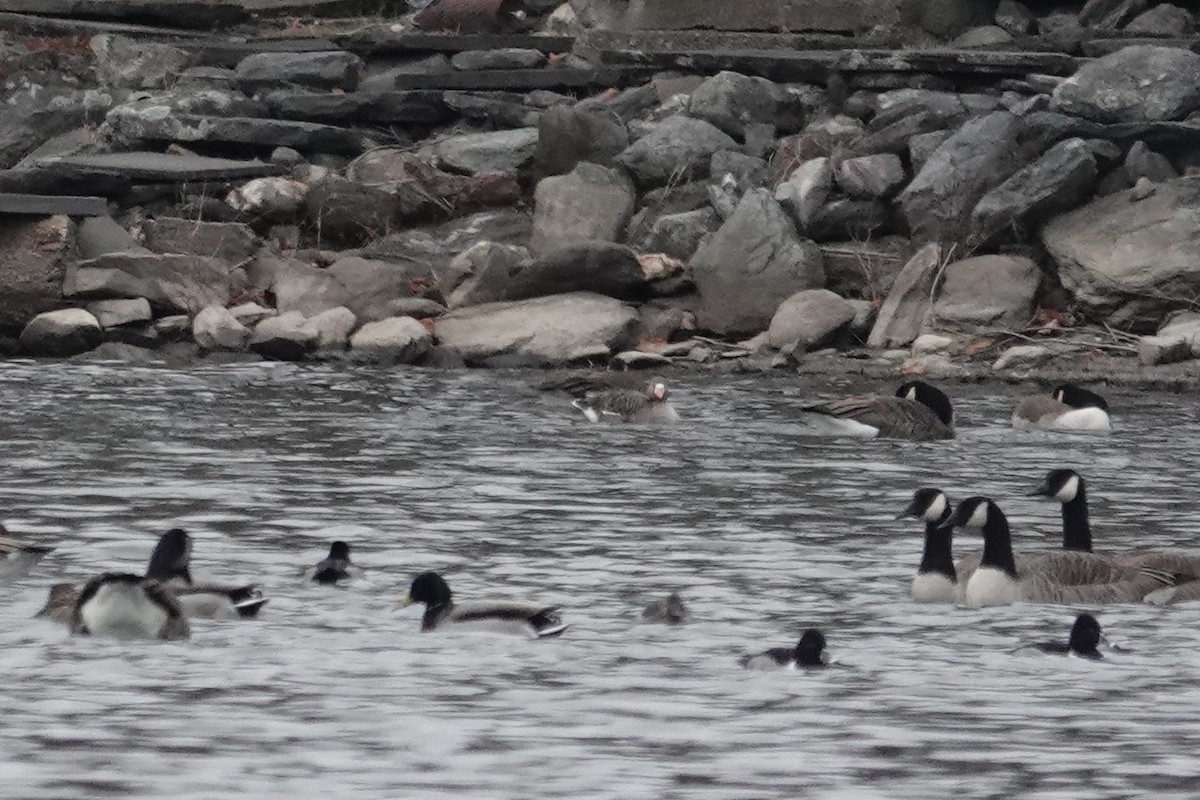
(170, 564)
(334, 567)
(917, 411)
(441, 612)
(809, 653)
(669, 609)
(1085, 636)
(936, 580)
(121, 605)
(1067, 408)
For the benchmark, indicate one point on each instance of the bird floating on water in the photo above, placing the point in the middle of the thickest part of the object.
(121, 605)
(809, 653)
(441, 612)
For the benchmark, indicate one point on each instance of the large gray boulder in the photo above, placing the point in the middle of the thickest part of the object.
(590, 202)
(331, 329)
(1135, 84)
(493, 151)
(568, 135)
(977, 157)
(731, 101)
(754, 262)
(127, 63)
(373, 285)
(808, 319)
(286, 337)
(677, 148)
(679, 235)
(215, 328)
(1132, 258)
(870, 176)
(543, 331)
(902, 315)
(300, 287)
(114, 313)
(586, 266)
(395, 340)
(1059, 180)
(347, 214)
(987, 292)
(232, 241)
(171, 282)
(62, 333)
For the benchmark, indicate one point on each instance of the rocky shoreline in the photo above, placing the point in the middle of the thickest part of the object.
(384, 192)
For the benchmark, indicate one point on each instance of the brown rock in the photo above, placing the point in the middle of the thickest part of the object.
(33, 256)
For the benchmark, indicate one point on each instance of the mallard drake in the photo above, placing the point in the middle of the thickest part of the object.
(807, 654)
(170, 563)
(669, 609)
(441, 612)
(1085, 636)
(121, 605)
(1067, 408)
(917, 411)
(334, 567)
(18, 557)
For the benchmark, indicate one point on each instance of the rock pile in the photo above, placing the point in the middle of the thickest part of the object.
(515, 206)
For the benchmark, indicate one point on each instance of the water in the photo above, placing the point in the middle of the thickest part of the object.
(765, 530)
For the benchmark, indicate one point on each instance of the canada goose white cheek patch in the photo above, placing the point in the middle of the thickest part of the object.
(936, 509)
(912, 393)
(1069, 490)
(979, 516)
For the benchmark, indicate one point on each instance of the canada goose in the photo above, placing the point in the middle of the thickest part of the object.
(122, 605)
(936, 580)
(917, 411)
(442, 612)
(1053, 576)
(334, 567)
(808, 653)
(1068, 488)
(1085, 635)
(1068, 407)
(170, 563)
(18, 557)
(669, 609)
(647, 405)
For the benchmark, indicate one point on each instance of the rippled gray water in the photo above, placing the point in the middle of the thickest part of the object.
(767, 531)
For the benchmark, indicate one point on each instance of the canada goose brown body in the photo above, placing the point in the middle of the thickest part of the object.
(917, 411)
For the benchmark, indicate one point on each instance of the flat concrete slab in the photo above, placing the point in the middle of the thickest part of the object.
(519, 80)
(381, 40)
(150, 166)
(41, 205)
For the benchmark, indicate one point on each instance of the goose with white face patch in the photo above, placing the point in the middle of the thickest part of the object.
(442, 613)
(1055, 576)
(936, 580)
(121, 605)
(1067, 408)
(917, 411)
(1069, 488)
(809, 653)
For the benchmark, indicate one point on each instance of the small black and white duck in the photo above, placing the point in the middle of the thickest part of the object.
(809, 653)
(170, 564)
(1085, 636)
(121, 605)
(334, 567)
(917, 411)
(441, 612)
(1067, 408)
(669, 609)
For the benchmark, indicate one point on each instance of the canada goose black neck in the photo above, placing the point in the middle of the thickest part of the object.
(1078, 397)
(929, 396)
(1067, 487)
(171, 557)
(339, 551)
(810, 648)
(982, 513)
(937, 556)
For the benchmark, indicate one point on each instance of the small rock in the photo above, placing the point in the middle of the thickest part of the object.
(805, 191)
(494, 151)
(929, 343)
(568, 135)
(1024, 356)
(331, 328)
(396, 340)
(983, 36)
(334, 69)
(1015, 18)
(591, 202)
(1142, 189)
(283, 338)
(988, 292)
(1154, 350)
(675, 149)
(871, 176)
(286, 157)
(500, 58)
(62, 333)
(1163, 20)
(903, 313)
(820, 139)
(638, 359)
(111, 313)
(126, 63)
(679, 235)
(808, 320)
(730, 101)
(1142, 162)
(214, 328)
(415, 307)
(231, 241)
(348, 214)
(250, 314)
(173, 328)
(272, 198)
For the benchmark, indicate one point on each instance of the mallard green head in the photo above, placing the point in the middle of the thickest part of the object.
(428, 588)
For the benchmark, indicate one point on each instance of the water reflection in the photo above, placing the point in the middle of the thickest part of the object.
(765, 530)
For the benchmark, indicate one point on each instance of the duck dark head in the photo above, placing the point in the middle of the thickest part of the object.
(1064, 485)
(810, 648)
(930, 505)
(1085, 635)
(931, 396)
(1078, 397)
(339, 551)
(429, 589)
(172, 557)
